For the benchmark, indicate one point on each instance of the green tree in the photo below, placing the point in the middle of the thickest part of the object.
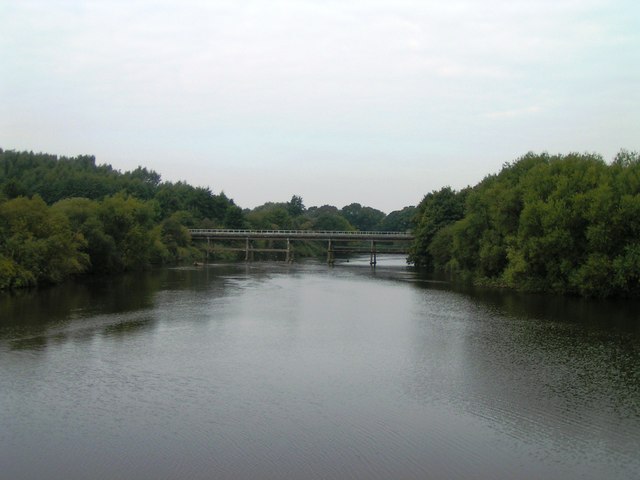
(327, 221)
(563, 223)
(295, 206)
(362, 218)
(234, 217)
(37, 244)
(270, 216)
(83, 216)
(399, 220)
(437, 210)
(130, 223)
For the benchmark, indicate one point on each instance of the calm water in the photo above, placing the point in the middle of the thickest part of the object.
(269, 371)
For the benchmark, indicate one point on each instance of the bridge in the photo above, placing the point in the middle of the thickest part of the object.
(337, 241)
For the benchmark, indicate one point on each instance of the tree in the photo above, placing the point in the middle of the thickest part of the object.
(234, 218)
(272, 216)
(295, 206)
(399, 220)
(362, 218)
(327, 221)
(37, 244)
(82, 215)
(437, 210)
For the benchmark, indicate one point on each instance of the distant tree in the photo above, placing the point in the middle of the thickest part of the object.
(362, 218)
(12, 188)
(270, 216)
(295, 206)
(327, 221)
(316, 211)
(399, 220)
(141, 183)
(234, 217)
(203, 205)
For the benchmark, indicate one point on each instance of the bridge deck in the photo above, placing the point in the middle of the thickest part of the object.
(299, 235)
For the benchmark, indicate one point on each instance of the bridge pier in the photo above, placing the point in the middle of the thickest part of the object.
(248, 252)
(289, 258)
(331, 259)
(373, 258)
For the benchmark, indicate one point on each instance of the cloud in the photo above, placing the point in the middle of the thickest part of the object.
(518, 112)
(290, 82)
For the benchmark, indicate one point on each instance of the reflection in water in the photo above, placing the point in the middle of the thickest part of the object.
(32, 313)
(550, 380)
(31, 318)
(270, 370)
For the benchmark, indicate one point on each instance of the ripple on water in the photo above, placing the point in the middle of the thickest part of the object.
(305, 371)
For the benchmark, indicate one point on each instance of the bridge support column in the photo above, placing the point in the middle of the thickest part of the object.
(330, 254)
(208, 249)
(289, 258)
(247, 249)
(373, 257)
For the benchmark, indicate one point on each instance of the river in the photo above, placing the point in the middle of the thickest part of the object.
(304, 371)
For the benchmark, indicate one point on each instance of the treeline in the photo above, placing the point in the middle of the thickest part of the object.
(293, 215)
(61, 216)
(57, 178)
(564, 224)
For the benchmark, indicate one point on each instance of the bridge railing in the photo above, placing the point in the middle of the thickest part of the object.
(318, 233)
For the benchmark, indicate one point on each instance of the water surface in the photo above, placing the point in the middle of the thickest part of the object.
(269, 371)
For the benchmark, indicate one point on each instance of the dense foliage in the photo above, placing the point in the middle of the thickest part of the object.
(398, 220)
(566, 224)
(293, 215)
(56, 178)
(37, 244)
(62, 216)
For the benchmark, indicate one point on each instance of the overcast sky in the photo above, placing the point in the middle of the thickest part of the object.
(372, 101)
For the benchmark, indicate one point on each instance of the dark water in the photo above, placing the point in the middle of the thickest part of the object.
(270, 371)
